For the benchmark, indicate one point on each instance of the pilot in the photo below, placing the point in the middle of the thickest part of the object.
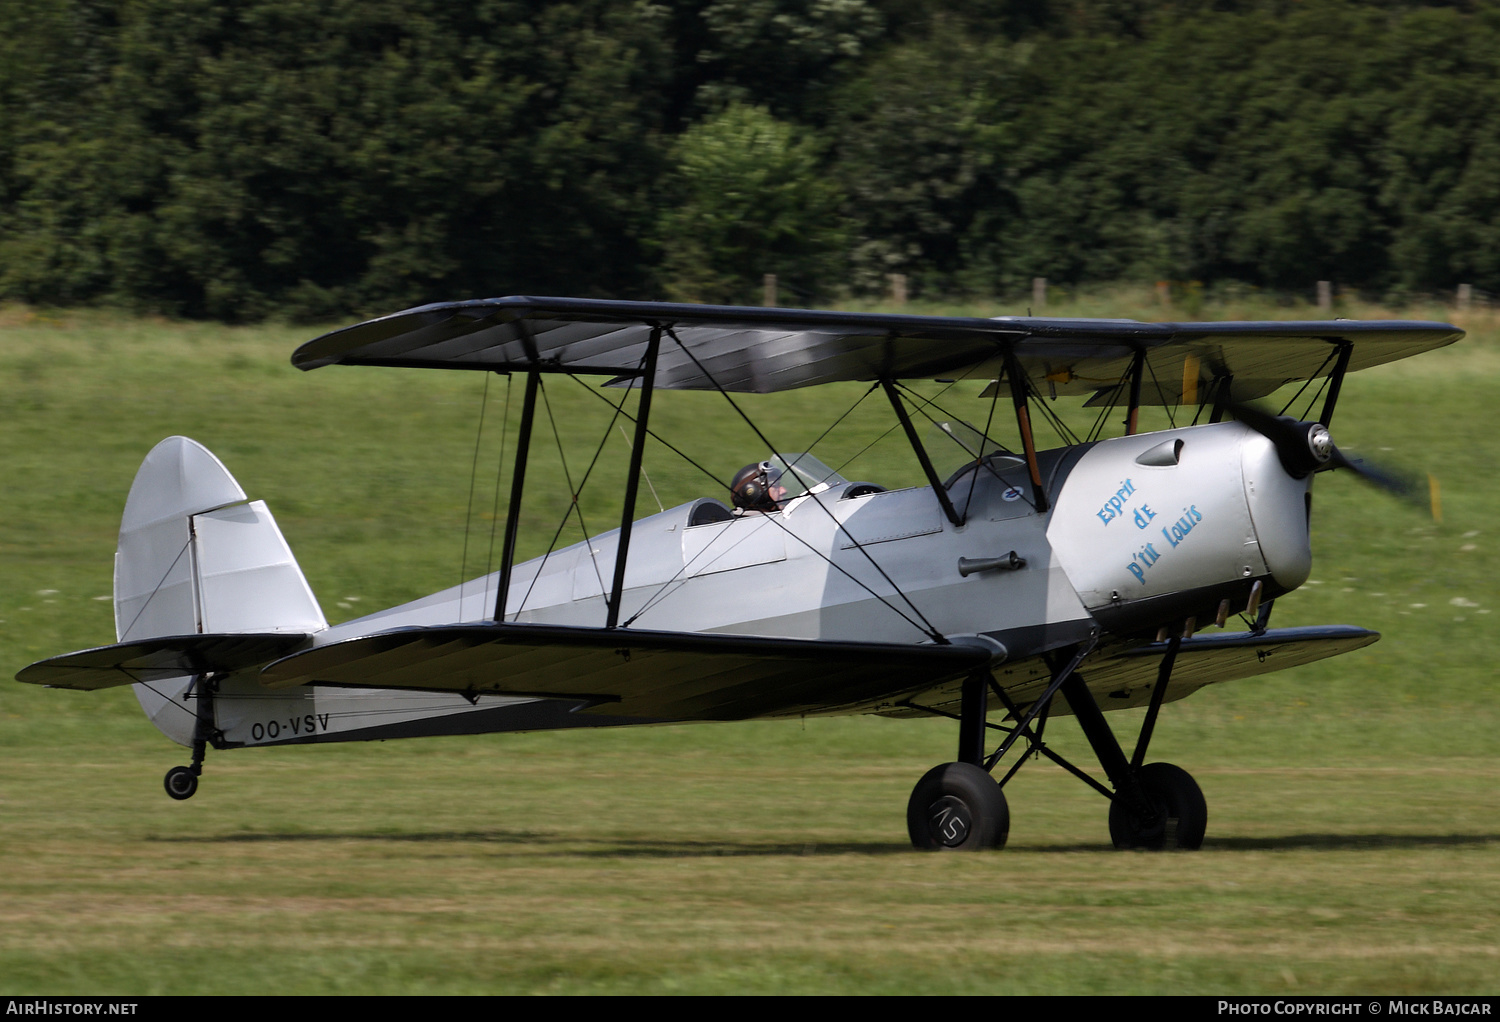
(757, 488)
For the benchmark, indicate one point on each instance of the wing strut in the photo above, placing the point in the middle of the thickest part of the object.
(1222, 399)
(517, 485)
(1158, 692)
(1023, 423)
(921, 452)
(632, 481)
(1346, 348)
(1137, 371)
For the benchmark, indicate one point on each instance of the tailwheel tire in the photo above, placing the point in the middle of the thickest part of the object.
(1181, 813)
(957, 807)
(181, 783)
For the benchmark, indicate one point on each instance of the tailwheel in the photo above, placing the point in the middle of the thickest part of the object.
(1178, 817)
(957, 807)
(181, 782)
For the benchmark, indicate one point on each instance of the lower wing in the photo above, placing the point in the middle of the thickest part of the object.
(631, 673)
(1124, 678)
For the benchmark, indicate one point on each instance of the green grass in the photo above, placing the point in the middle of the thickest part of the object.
(1352, 811)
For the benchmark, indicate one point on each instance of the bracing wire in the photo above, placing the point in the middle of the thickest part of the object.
(918, 401)
(929, 628)
(833, 425)
(463, 562)
(1332, 354)
(1097, 430)
(574, 494)
(161, 582)
(979, 454)
(663, 591)
(644, 474)
(1161, 393)
(1064, 432)
(656, 436)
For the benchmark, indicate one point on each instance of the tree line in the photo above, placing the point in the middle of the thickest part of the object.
(308, 159)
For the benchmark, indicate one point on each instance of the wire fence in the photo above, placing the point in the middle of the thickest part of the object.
(1160, 299)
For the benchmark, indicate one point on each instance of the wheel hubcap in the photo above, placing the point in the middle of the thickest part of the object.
(950, 821)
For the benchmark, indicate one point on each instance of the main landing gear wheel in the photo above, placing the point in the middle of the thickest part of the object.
(181, 782)
(1180, 817)
(957, 807)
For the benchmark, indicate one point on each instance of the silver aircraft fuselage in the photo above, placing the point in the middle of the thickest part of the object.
(1142, 530)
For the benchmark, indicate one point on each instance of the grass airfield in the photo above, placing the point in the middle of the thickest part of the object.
(1353, 823)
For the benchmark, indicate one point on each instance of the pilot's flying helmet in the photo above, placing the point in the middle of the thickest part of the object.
(752, 487)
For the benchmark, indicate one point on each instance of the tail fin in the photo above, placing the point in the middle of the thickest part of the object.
(196, 557)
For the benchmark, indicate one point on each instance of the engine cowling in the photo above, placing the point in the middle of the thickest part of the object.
(1156, 526)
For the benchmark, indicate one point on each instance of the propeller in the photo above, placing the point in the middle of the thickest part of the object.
(1306, 447)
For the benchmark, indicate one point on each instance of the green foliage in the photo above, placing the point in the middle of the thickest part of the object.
(749, 197)
(780, 53)
(313, 156)
(922, 141)
(317, 158)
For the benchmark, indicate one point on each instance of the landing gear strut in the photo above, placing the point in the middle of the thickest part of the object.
(1156, 805)
(181, 782)
(959, 806)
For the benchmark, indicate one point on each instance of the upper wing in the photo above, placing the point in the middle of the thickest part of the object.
(630, 673)
(763, 350)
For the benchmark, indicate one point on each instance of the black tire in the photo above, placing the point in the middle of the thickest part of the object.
(181, 783)
(1181, 812)
(957, 807)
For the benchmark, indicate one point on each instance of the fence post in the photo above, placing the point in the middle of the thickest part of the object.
(898, 288)
(1039, 292)
(1465, 296)
(1325, 295)
(768, 291)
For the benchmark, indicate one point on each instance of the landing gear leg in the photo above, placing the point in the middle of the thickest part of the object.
(958, 806)
(950, 807)
(1156, 805)
(181, 782)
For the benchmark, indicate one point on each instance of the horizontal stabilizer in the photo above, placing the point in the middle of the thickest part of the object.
(171, 656)
(676, 675)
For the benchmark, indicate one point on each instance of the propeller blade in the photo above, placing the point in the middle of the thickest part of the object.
(1405, 486)
(1303, 446)
(1306, 447)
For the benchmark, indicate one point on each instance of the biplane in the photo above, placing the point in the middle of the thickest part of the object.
(1017, 585)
